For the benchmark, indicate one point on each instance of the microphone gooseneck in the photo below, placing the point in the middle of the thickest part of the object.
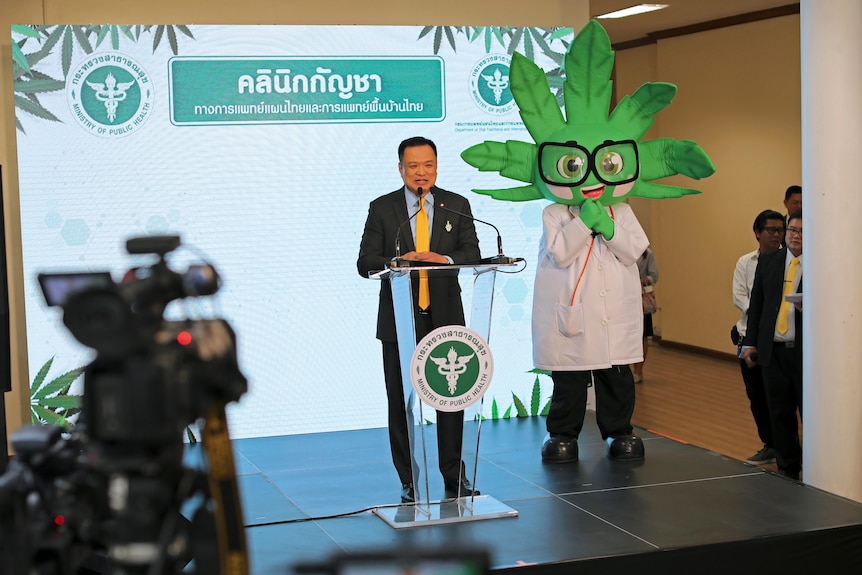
(442, 206)
(499, 258)
(401, 225)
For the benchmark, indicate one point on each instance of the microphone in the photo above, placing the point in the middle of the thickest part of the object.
(401, 225)
(499, 258)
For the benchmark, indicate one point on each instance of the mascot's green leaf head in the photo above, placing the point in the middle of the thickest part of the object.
(589, 154)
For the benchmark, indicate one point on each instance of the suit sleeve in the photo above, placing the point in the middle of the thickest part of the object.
(373, 252)
(755, 306)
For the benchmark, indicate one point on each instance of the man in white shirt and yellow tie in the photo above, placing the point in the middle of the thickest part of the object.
(773, 340)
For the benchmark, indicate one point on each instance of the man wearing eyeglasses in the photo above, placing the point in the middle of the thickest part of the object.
(769, 233)
(773, 339)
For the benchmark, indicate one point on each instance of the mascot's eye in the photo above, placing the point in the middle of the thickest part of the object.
(570, 166)
(611, 163)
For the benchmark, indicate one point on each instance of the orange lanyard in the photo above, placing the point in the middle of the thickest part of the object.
(586, 261)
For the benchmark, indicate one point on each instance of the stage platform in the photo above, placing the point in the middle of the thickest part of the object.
(681, 510)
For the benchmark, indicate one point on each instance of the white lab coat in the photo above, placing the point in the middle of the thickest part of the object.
(604, 327)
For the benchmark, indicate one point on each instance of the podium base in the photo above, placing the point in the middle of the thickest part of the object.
(460, 510)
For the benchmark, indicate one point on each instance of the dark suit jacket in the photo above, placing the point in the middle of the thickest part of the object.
(766, 297)
(386, 215)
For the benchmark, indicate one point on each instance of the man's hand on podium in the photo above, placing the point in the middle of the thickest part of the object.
(432, 257)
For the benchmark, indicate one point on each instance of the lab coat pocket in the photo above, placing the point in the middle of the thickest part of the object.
(570, 319)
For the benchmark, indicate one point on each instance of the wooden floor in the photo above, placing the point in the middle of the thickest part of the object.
(698, 400)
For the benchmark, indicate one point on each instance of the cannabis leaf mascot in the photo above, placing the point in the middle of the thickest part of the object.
(587, 314)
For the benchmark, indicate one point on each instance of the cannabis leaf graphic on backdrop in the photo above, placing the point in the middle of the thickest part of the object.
(530, 40)
(511, 38)
(518, 405)
(29, 81)
(50, 401)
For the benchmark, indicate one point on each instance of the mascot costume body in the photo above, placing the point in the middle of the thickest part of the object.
(587, 310)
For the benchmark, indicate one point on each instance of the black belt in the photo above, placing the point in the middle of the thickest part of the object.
(789, 344)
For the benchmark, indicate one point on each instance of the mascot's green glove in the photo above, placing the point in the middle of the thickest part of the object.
(596, 218)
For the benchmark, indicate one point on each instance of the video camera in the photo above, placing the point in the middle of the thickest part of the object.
(115, 490)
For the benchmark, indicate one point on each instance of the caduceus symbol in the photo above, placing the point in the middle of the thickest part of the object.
(498, 82)
(111, 93)
(452, 367)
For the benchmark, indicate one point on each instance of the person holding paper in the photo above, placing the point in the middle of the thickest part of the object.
(773, 339)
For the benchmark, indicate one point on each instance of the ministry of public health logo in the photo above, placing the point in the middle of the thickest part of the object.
(451, 368)
(489, 84)
(110, 94)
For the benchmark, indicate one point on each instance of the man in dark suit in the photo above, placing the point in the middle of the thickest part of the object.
(773, 339)
(452, 240)
(792, 200)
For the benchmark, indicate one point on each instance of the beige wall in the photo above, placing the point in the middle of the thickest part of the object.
(738, 97)
(634, 67)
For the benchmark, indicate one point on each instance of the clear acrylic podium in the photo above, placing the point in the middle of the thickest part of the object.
(424, 511)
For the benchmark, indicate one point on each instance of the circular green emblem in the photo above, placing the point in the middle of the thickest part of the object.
(489, 84)
(110, 94)
(451, 368)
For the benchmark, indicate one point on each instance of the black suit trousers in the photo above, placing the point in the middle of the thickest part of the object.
(755, 389)
(450, 426)
(783, 381)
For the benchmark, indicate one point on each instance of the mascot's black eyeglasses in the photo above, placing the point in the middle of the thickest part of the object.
(570, 164)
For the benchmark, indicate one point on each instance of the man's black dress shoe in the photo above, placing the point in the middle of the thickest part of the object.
(461, 488)
(408, 495)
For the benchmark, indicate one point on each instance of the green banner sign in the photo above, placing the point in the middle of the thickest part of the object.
(306, 90)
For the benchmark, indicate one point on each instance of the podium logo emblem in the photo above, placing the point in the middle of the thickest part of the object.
(451, 368)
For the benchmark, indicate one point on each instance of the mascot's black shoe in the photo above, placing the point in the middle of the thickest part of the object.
(560, 449)
(625, 448)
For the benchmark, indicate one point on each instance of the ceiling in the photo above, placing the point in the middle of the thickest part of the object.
(679, 13)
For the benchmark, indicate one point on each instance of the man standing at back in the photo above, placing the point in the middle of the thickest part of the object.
(769, 233)
(424, 220)
(792, 200)
(773, 339)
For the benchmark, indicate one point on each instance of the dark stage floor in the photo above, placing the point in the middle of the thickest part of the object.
(682, 509)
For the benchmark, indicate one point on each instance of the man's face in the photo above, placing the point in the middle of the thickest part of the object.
(771, 236)
(793, 237)
(793, 204)
(418, 168)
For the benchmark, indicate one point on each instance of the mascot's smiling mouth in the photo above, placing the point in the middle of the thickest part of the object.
(594, 192)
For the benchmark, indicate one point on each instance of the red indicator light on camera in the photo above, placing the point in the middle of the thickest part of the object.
(184, 338)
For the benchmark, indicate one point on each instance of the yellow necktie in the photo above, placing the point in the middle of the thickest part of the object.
(423, 244)
(784, 310)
